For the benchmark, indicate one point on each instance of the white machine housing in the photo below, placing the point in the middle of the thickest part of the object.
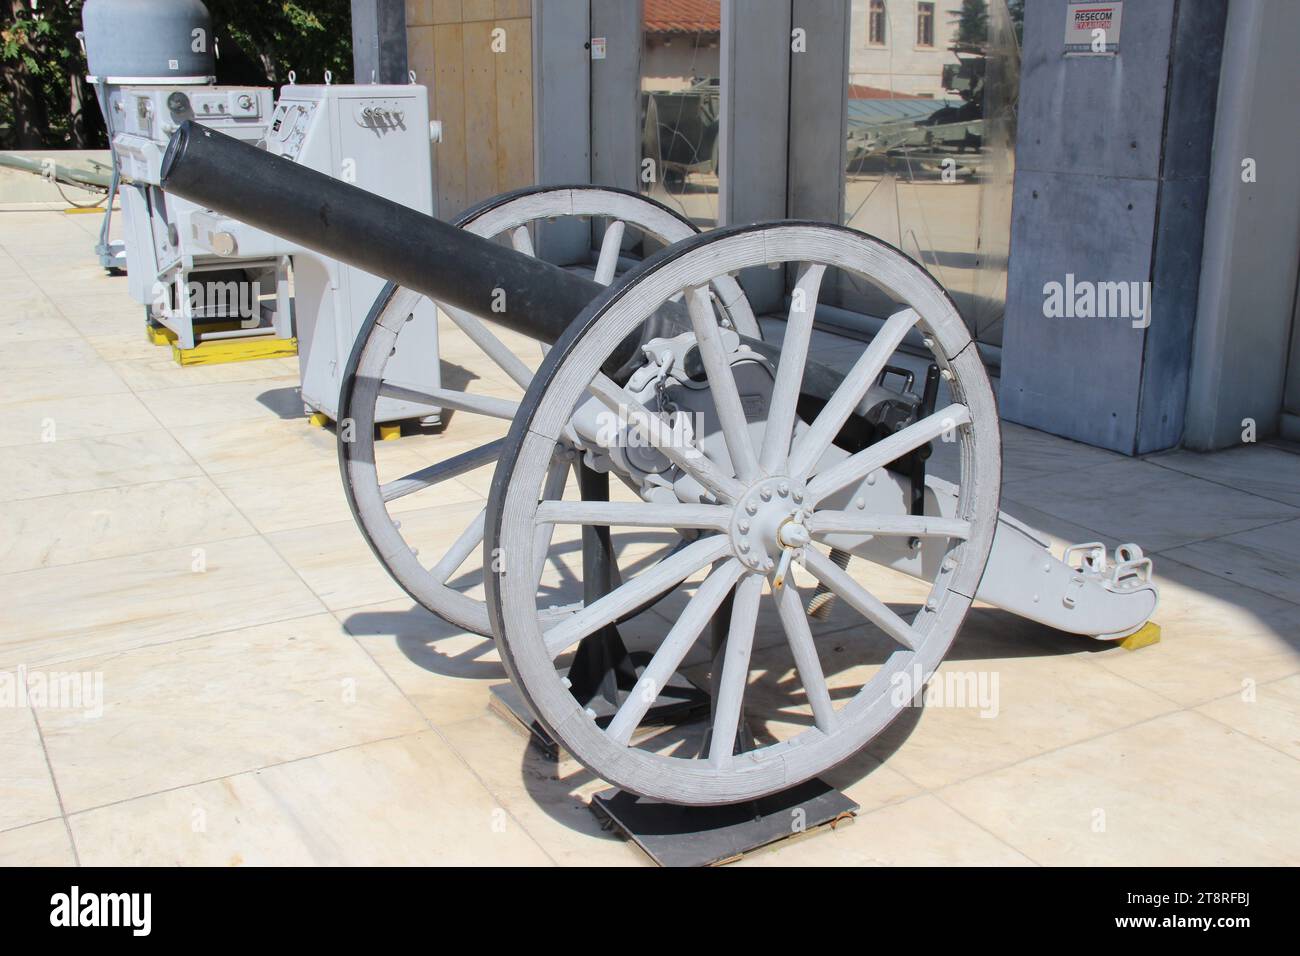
(376, 137)
(180, 283)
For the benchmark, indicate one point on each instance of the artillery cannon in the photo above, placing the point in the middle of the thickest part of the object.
(778, 463)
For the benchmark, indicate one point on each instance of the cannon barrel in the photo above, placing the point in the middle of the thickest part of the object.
(374, 234)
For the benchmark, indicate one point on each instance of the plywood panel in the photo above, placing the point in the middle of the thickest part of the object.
(514, 80)
(513, 9)
(475, 10)
(419, 13)
(480, 109)
(419, 55)
(446, 11)
(449, 107)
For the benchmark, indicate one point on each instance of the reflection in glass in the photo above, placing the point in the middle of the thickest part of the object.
(680, 106)
(930, 150)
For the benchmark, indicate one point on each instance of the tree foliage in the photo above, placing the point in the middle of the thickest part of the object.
(260, 41)
(972, 22)
(44, 102)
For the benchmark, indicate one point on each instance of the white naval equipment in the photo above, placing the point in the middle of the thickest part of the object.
(152, 64)
(179, 283)
(376, 137)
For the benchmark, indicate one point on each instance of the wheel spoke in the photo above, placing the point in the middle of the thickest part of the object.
(735, 670)
(722, 384)
(859, 465)
(699, 610)
(863, 522)
(636, 592)
(691, 460)
(552, 490)
(492, 347)
(522, 240)
(635, 514)
(433, 474)
(470, 402)
(469, 539)
(795, 623)
(810, 447)
(789, 373)
(859, 598)
(610, 246)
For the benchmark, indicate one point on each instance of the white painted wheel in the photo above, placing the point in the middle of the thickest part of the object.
(785, 470)
(438, 576)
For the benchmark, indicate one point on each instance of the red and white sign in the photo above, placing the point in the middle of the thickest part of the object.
(1093, 28)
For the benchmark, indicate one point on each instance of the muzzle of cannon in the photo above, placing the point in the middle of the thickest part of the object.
(749, 475)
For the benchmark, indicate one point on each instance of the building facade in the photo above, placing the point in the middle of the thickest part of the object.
(902, 45)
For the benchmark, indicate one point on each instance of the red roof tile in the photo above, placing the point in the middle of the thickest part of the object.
(683, 16)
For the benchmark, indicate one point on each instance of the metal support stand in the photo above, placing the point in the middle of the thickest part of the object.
(929, 397)
(708, 836)
(603, 671)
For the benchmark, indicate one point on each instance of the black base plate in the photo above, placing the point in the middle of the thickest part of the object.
(707, 836)
(679, 702)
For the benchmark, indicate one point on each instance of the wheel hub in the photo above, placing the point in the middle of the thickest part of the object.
(768, 520)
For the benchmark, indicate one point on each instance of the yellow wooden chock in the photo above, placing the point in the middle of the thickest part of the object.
(1146, 635)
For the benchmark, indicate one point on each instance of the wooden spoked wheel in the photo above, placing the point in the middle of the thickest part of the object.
(763, 488)
(424, 572)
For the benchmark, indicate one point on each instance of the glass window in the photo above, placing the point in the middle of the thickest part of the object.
(876, 23)
(930, 155)
(925, 24)
(680, 106)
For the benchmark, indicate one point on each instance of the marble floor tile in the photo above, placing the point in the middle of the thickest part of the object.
(548, 799)
(71, 465)
(1258, 469)
(1179, 790)
(40, 844)
(338, 565)
(111, 522)
(1038, 703)
(26, 788)
(34, 322)
(181, 409)
(1267, 559)
(300, 495)
(444, 671)
(31, 423)
(98, 607)
(157, 369)
(922, 831)
(1215, 636)
(1141, 502)
(204, 708)
(64, 352)
(226, 446)
(85, 384)
(1270, 713)
(319, 811)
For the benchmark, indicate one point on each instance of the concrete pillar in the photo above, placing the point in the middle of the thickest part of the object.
(1248, 272)
(616, 95)
(818, 111)
(379, 41)
(1112, 172)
